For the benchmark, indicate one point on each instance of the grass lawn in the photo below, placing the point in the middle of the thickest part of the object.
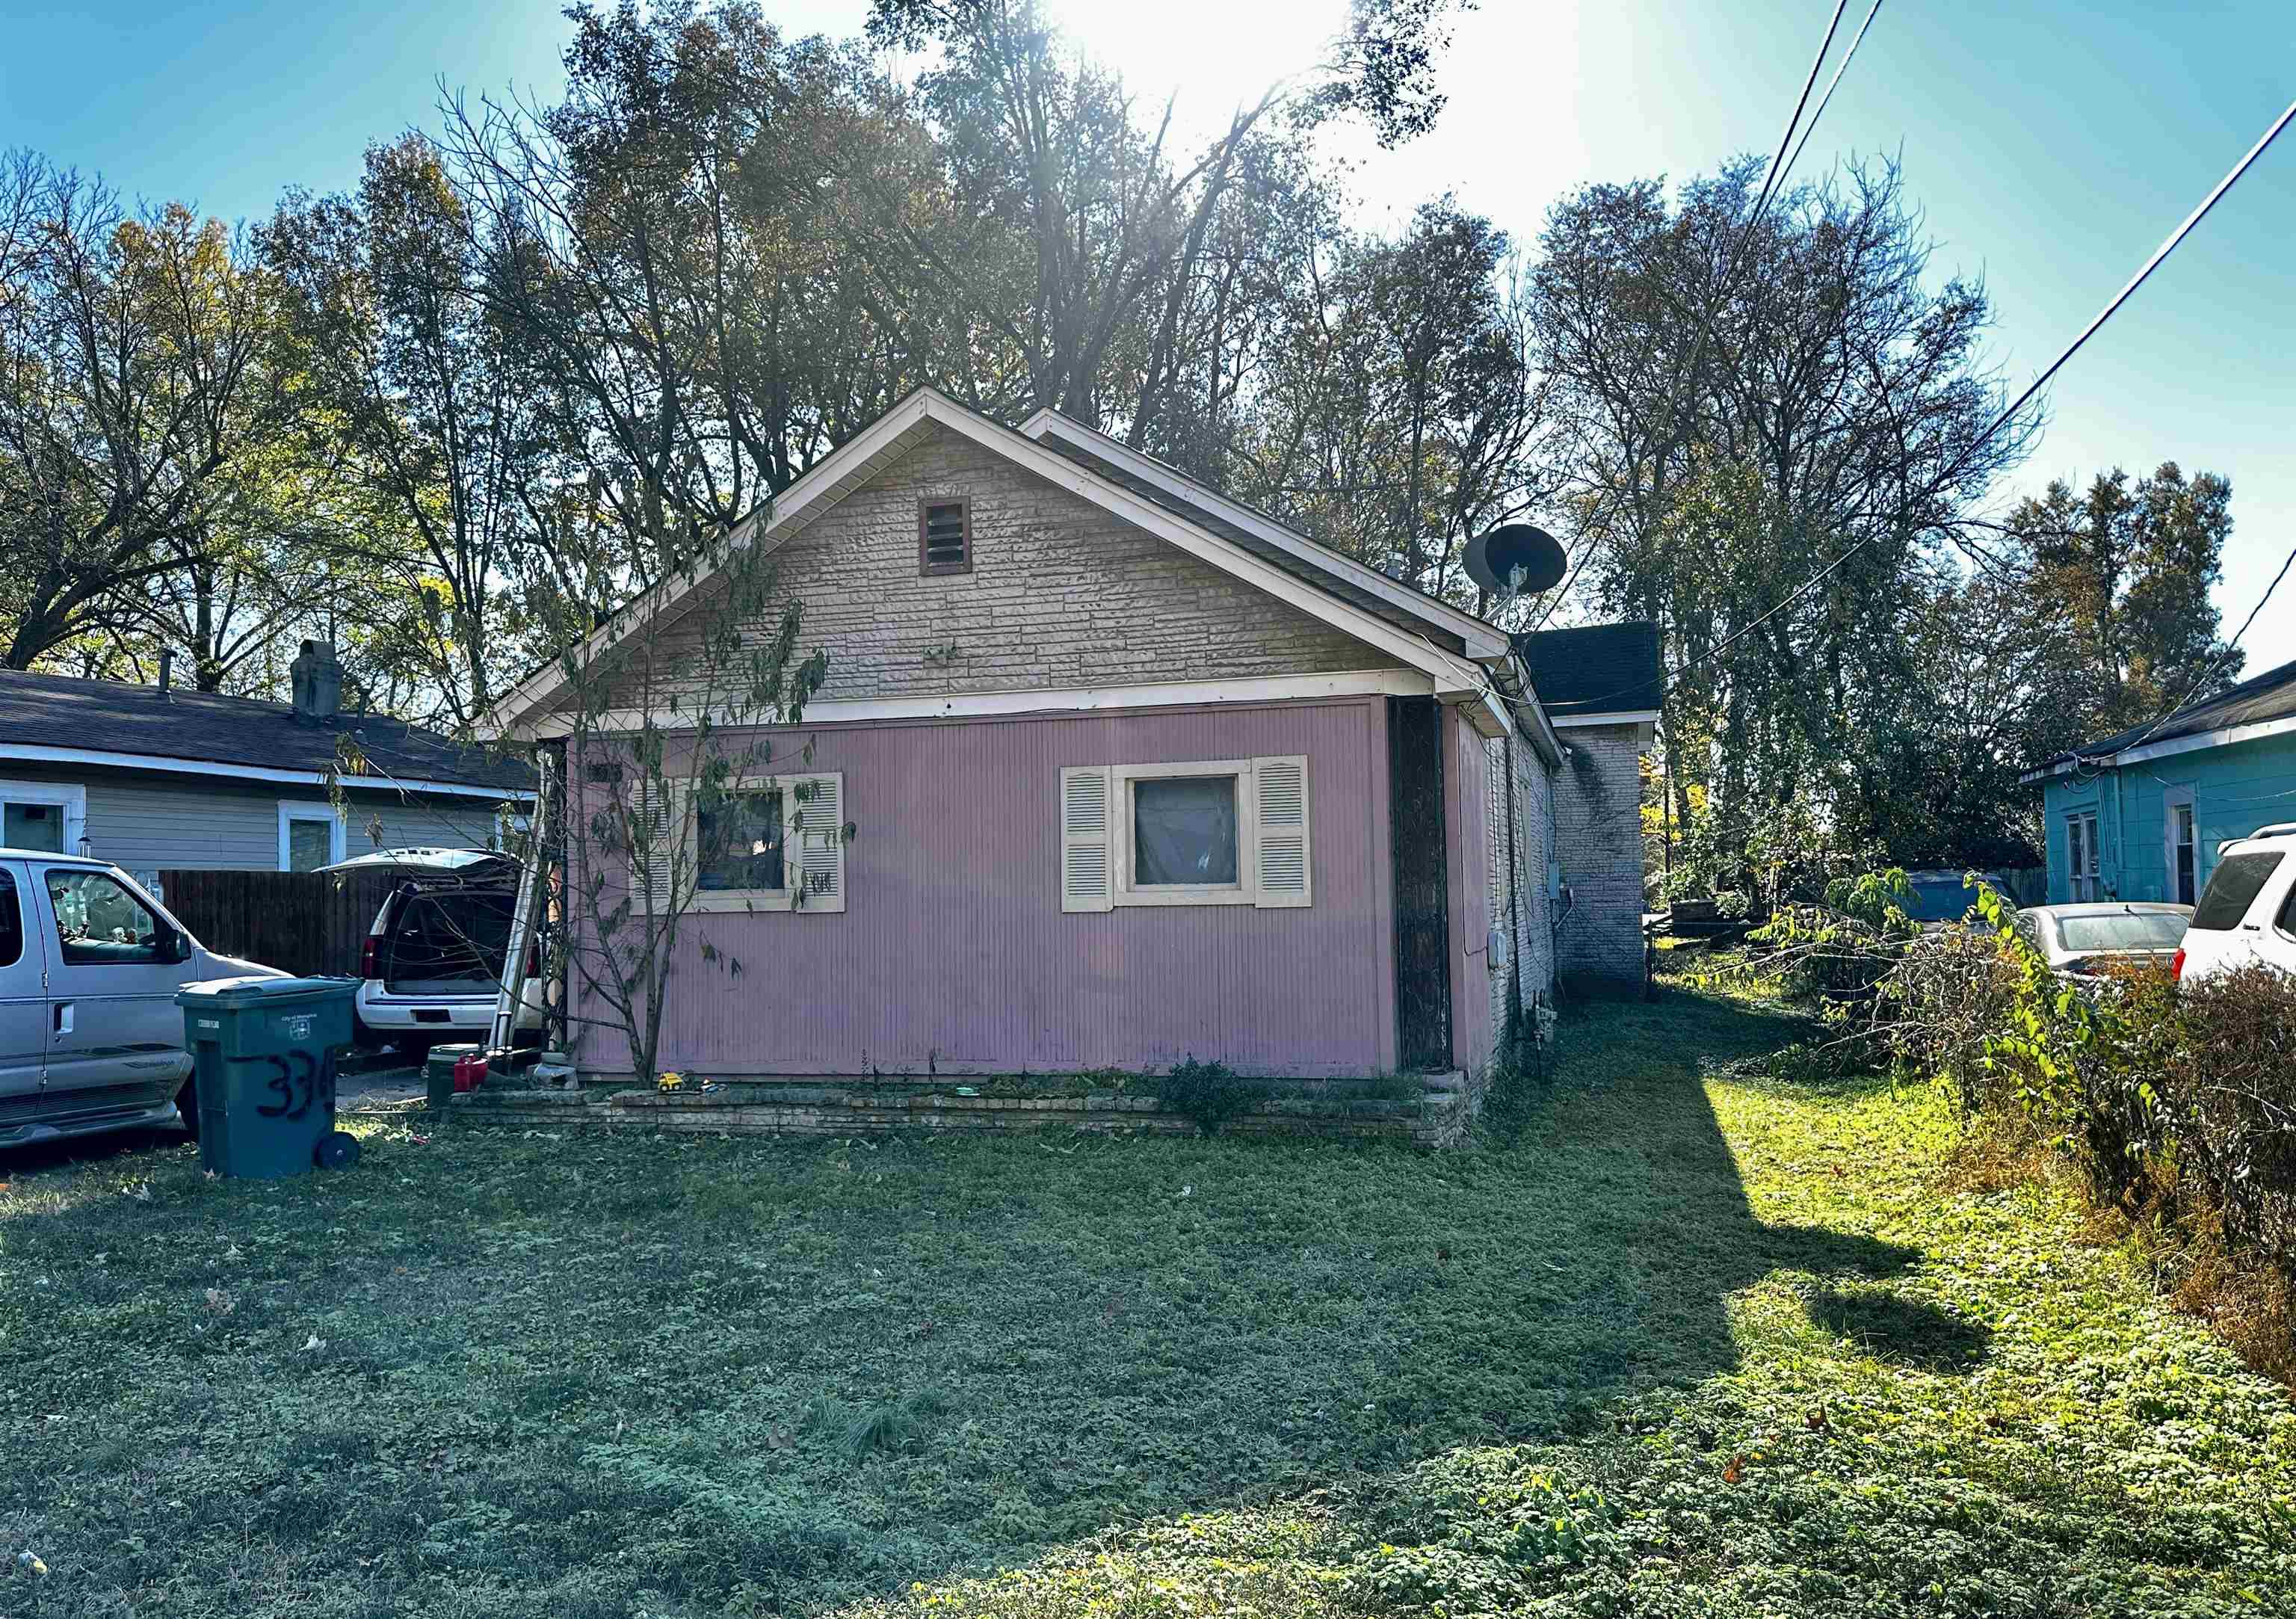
(1713, 1348)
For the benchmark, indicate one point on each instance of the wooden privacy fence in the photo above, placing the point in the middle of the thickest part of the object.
(300, 922)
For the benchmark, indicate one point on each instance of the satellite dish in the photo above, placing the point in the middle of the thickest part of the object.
(1515, 560)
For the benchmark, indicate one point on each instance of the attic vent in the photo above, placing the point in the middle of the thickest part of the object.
(944, 537)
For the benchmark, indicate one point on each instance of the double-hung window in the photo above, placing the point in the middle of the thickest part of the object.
(2082, 864)
(757, 843)
(1206, 832)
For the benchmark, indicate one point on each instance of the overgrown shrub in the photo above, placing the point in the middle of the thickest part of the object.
(1209, 1093)
(2177, 1102)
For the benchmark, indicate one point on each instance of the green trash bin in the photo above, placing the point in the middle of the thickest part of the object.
(263, 1050)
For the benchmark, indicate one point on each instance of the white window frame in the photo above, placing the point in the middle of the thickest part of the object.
(70, 797)
(2084, 821)
(791, 896)
(2171, 800)
(1275, 846)
(293, 809)
(1126, 890)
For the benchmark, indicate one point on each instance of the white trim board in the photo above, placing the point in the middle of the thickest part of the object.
(292, 809)
(70, 797)
(2170, 748)
(1625, 717)
(206, 767)
(862, 456)
(1480, 639)
(1086, 699)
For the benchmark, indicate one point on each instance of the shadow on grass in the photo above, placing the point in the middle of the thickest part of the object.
(1906, 1332)
(584, 1369)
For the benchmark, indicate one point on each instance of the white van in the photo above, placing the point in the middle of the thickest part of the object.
(432, 963)
(91, 1038)
(2247, 914)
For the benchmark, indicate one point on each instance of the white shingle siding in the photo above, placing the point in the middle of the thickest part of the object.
(1062, 594)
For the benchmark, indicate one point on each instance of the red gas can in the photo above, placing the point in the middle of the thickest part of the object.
(470, 1071)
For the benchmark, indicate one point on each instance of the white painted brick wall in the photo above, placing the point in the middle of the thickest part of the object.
(1598, 839)
(1533, 922)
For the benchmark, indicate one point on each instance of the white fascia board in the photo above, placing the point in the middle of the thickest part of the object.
(206, 767)
(2206, 739)
(2168, 749)
(1481, 640)
(976, 705)
(1454, 675)
(1621, 717)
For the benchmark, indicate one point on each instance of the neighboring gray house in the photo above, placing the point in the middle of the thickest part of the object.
(157, 777)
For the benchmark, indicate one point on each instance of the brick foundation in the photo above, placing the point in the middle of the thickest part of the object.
(1441, 1119)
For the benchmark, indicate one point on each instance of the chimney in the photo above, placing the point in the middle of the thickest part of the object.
(318, 682)
(166, 668)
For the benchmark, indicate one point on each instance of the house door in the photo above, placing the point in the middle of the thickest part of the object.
(23, 1003)
(2081, 846)
(2184, 888)
(114, 967)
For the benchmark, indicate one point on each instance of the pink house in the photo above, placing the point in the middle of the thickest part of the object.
(1137, 772)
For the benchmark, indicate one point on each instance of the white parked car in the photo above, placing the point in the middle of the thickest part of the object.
(2076, 939)
(433, 963)
(2247, 914)
(91, 1038)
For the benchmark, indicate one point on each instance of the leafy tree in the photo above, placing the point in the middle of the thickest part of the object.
(1740, 407)
(2122, 574)
(135, 376)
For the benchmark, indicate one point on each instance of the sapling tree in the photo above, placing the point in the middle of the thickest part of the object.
(668, 717)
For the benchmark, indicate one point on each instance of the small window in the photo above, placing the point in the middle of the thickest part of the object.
(1183, 832)
(100, 924)
(12, 923)
(310, 835)
(2233, 887)
(762, 843)
(1218, 832)
(738, 844)
(944, 537)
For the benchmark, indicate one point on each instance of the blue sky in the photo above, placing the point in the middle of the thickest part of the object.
(2050, 144)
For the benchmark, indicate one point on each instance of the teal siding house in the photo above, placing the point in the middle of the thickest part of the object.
(2139, 815)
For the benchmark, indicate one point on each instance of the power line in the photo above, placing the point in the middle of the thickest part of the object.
(1779, 163)
(1855, 40)
(2159, 254)
(2221, 659)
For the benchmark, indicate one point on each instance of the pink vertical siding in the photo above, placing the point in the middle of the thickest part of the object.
(953, 954)
(1466, 812)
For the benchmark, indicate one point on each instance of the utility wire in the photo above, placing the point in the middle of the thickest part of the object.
(1779, 163)
(2219, 660)
(1811, 128)
(2104, 314)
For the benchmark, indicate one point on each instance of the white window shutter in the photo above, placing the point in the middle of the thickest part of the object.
(1280, 855)
(655, 817)
(819, 821)
(1088, 851)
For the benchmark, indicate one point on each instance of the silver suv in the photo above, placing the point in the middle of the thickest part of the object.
(2247, 914)
(90, 1036)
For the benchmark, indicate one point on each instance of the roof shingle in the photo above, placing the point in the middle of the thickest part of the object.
(105, 717)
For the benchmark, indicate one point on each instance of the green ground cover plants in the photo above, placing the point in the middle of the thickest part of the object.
(1699, 1340)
